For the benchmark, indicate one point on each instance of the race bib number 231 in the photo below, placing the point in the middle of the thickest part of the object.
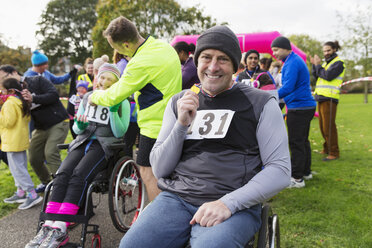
(210, 124)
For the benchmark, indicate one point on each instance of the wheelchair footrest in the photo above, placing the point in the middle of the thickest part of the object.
(66, 217)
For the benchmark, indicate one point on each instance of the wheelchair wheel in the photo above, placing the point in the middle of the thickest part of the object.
(126, 194)
(274, 232)
(96, 241)
(264, 232)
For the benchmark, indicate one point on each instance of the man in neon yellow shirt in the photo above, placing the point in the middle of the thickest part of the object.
(154, 75)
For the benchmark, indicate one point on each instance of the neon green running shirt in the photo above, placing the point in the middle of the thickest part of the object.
(154, 75)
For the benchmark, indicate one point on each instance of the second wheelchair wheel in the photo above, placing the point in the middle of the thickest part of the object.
(263, 240)
(126, 194)
(274, 232)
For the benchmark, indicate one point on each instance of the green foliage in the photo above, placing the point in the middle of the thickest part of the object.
(19, 58)
(159, 18)
(308, 45)
(355, 31)
(65, 29)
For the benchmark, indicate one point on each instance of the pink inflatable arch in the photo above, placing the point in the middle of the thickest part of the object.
(258, 41)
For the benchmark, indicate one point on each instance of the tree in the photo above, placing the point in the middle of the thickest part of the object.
(159, 18)
(355, 30)
(308, 45)
(65, 29)
(19, 58)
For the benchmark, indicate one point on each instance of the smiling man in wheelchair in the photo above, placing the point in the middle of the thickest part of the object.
(88, 154)
(222, 150)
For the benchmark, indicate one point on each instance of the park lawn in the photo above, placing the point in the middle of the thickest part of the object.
(334, 209)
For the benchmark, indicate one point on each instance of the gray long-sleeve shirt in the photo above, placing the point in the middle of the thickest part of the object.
(273, 149)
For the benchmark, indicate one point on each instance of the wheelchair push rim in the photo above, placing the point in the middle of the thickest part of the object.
(126, 195)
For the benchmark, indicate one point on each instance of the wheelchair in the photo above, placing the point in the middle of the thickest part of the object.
(268, 235)
(126, 198)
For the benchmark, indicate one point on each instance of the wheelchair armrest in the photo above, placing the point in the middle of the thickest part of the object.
(62, 146)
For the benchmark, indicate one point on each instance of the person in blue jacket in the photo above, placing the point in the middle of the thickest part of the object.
(40, 68)
(301, 105)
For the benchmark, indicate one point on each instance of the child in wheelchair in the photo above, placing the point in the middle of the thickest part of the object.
(97, 127)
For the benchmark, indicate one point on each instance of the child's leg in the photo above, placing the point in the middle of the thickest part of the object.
(89, 166)
(60, 183)
(65, 183)
(18, 168)
(64, 174)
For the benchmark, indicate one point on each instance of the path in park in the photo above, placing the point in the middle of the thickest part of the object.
(19, 227)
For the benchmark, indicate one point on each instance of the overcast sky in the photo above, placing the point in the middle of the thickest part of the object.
(19, 18)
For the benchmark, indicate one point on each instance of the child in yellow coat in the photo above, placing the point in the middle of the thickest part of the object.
(14, 119)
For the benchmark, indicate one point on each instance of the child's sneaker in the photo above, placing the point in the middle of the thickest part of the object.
(30, 202)
(295, 183)
(56, 238)
(39, 238)
(16, 199)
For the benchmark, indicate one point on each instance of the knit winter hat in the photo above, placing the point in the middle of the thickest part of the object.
(100, 61)
(220, 38)
(38, 58)
(82, 83)
(281, 42)
(106, 67)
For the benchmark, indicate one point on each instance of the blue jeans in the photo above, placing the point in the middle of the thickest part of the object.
(165, 223)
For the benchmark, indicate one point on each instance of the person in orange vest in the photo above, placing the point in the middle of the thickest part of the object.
(329, 77)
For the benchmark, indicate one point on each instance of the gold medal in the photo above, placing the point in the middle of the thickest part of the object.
(195, 89)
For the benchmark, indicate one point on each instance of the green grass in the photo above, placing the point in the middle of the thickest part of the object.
(335, 208)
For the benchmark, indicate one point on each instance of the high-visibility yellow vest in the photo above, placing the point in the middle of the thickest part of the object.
(330, 88)
(86, 78)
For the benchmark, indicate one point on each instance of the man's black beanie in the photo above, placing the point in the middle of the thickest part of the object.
(219, 38)
(281, 42)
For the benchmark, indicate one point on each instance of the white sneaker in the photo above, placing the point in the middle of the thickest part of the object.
(296, 183)
(308, 177)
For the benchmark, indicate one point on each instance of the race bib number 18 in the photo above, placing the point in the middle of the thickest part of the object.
(97, 114)
(210, 124)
